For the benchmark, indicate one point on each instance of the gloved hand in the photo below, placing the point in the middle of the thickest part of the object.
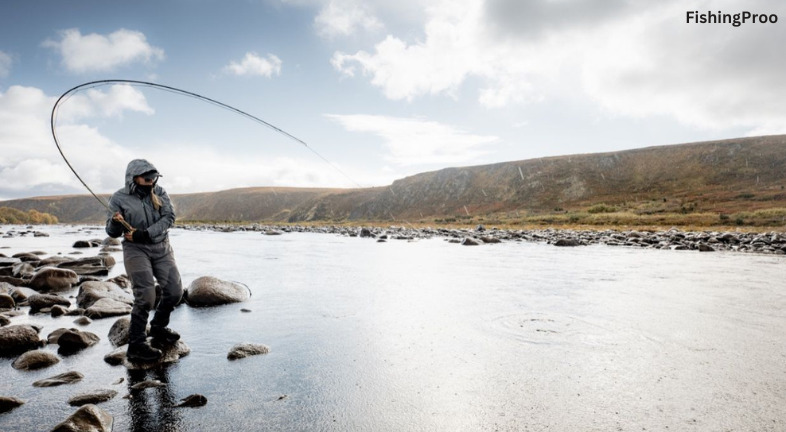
(141, 236)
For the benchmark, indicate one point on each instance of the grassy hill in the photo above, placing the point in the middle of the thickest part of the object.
(736, 181)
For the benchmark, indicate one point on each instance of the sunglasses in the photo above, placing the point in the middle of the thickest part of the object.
(150, 177)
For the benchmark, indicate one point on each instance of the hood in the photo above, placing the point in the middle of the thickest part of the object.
(136, 167)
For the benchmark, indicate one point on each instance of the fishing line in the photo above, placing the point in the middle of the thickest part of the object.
(67, 95)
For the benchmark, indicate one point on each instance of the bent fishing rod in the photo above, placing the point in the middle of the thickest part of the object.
(175, 90)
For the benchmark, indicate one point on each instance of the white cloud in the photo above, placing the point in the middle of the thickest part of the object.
(5, 64)
(418, 142)
(630, 57)
(344, 18)
(253, 64)
(99, 53)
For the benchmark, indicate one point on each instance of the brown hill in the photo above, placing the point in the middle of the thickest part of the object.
(722, 177)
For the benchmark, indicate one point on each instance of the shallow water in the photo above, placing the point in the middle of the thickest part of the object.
(434, 336)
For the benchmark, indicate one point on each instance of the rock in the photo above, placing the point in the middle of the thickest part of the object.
(110, 241)
(53, 279)
(87, 418)
(4, 321)
(92, 266)
(151, 383)
(91, 292)
(365, 232)
(6, 301)
(211, 291)
(57, 380)
(8, 403)
(53, 337)
(244, 350)
(170, 355)
(22, 270)
(83, 321)
(37, 359)
(107, 307)
(122, 281)
(567, 242)
(74, 340)
(19, 338)
(469, 241)
(27, 257)
(117, 356)
(58, 310)
(21, 294)
(490, 240)
(42, 301)
(194, 400)
(92, 397)
(86, 244)
(705, 248)
(53, 261)
(118, 333)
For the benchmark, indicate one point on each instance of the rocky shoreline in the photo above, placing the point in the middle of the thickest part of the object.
(672, 239)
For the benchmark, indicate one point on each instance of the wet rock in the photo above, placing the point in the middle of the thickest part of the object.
(171, 354)
(567, 242)
(61, 379)
(37, 359)
(194, 400)
(22, 270)
(110, 241)
(6, 301)
(91, 292)
(117, 356)
(92, 397)
(490, 240)
(244, 350)
(365, 232)
(107, 307)
(90, 266)
(13, 280)
(118, 333)
(21, 294)
(19, 338)
(27, 257)
(53, 279)
(151, 383)
(87, 418)
(81, 244)
(53, 261)
(73, 340)
(122, 281)
(43, 301)
(211, 291)
(58, 310)
(4, 321)
(705, 248)
(469, 241)
(83, 321)
(7, 403)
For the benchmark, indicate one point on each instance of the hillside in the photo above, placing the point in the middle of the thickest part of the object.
(720, 177)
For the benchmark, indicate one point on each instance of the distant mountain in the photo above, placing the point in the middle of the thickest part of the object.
(726, 176)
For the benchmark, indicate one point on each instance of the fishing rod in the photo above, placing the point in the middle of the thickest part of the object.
(171, 89)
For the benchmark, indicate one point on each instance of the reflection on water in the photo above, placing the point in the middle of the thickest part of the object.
(435, 336)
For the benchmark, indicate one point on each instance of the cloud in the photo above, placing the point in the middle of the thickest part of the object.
(252, 64)
(418, 142)
(99, 53)
(630, 58)
(5, 64)
(30, 163)
(344, 18)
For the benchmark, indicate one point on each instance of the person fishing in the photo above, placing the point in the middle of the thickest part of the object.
(142, 213)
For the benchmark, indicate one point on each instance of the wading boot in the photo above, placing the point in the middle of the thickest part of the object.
(142, 352)
(163, 336)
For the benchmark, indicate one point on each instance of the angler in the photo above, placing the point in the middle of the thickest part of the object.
(142, 213)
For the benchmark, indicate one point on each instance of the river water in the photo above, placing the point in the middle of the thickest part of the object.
(433, 336)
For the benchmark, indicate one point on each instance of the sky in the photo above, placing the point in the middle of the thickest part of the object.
(373, 90)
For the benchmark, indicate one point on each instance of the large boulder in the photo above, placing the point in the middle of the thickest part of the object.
(87, 418)
(37, 359)
(53, 279)
(107, 307)
(19, 338)
(90, 292)
(6, 301)
(43, 301)
(170, 354)
(211, 291)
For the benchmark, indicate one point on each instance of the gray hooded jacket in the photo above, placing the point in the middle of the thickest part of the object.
(140, 213)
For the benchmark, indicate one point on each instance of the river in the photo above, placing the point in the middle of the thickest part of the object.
(432, 336)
